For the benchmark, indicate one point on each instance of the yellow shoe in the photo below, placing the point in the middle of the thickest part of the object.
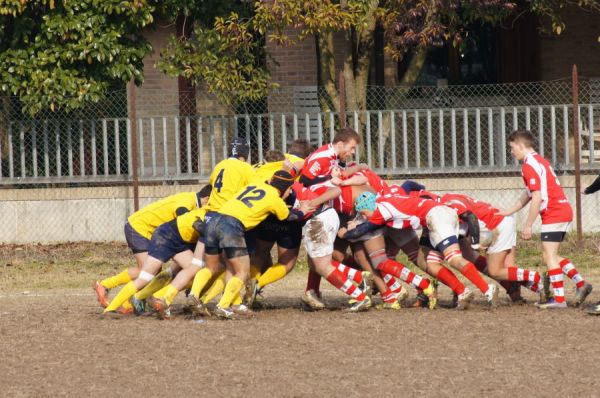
(431, 294)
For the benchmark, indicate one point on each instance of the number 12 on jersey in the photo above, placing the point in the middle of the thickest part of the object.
(250, 194)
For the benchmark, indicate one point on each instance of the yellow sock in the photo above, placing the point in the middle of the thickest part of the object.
(232, 289)
(158, 282)
(215, 289)
(120, 279)
(254, 272)
(237, 300)
(200, 280)
(273, 274)
(168, 293)
(126, 292)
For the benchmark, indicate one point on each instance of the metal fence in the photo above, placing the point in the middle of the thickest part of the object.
(433, 133)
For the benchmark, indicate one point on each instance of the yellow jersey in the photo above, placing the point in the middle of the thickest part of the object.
(264, 172)
(185, 224)
(148, 218)
(228, 177)
(254, 203)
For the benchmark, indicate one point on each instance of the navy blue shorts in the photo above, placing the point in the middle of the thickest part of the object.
(136, 242)
(225, 233)
(287, 234)
(166, 242)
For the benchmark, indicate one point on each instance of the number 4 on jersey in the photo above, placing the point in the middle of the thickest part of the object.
(218, 184)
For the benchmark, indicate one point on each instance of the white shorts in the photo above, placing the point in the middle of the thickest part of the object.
(400, 237)
(318, 234)
(504, 236)
(442, 223)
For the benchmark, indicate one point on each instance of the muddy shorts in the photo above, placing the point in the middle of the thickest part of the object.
(166, 242)
(136, 242)
(318, 234)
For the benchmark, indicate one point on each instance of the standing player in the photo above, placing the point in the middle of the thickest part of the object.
(548, 200)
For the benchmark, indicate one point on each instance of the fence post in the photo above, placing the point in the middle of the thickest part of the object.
(134, 144)
(576, 136)
(342, 95)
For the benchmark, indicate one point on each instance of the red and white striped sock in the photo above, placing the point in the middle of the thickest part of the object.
(351, 273)
(400, 271)
(448, 278)
(471, 273)
(392, 283)
(340, 281)
(556, 280)
(569, 270)
(532, 278)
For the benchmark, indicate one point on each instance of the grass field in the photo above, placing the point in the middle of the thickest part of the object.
(54, 342)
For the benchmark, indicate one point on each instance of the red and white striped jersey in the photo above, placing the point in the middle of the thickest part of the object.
(402, 211)
(319, 164)
(539, 176)
(374, 181)
(485, 212)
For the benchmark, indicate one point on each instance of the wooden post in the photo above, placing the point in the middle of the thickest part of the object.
(134, 144)
(577, 139)
(342, 95)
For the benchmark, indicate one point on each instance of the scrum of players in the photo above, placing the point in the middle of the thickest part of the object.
(352, 225)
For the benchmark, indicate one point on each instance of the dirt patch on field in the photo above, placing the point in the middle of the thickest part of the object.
(56, 344)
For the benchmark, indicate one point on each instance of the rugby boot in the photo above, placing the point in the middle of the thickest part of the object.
(491, 295)
(361, 306)
(431, 294)
(394, 305)
(101, 294)
(594, 309)
(224, 313)
(251, 292)
(160, 307)
(582, 293)
(367, 283)
(139, 306)
(242, 310)
(463, 300)
(551, 304)
(312, 300)
(194, 304)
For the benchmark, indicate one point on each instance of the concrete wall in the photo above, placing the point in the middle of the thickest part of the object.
(98, 214)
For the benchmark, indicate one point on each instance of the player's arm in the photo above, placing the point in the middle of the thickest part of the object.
(594, 187)
(310, 172)
(360, 230)
(355, 179)
(410, 186)
(519, 204)
(328, 195)
(355, 168)
(473, 223)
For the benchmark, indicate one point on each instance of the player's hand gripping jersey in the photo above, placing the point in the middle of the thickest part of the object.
(539, 176)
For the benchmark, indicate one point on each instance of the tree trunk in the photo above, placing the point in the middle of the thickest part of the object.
(327, 70)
